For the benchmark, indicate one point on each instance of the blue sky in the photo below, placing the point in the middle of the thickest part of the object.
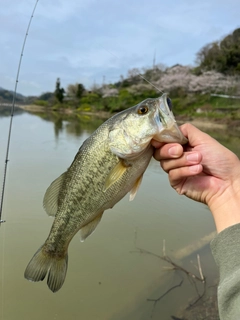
(85, 41)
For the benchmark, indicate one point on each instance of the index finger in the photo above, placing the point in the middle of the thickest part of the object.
(168, 151)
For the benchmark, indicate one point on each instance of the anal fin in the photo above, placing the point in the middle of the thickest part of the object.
(88, 229)
(135, 188)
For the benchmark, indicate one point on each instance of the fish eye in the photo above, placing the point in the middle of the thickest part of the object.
(169, 102)
(142, 110)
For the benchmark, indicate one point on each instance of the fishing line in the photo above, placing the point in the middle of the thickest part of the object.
(12, 114)
(137, 73)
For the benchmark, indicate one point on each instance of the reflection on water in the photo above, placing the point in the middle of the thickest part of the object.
(73, 124)
(5, 110)
(107, 278)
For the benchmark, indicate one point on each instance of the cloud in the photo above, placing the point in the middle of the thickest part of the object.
(84, 40)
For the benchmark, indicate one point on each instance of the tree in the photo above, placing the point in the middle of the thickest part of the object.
(59, 92)
(80, 90)
(75, 90)
(202, 54)
(134, 76)
(46, 96)
(222, 56)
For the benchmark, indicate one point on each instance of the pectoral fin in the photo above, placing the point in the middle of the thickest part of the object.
(116, 173)
(89, 228)
(50, 201)
(135, 188)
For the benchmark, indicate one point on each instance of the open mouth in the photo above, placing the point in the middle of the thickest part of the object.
(168, 128)
(165, 110)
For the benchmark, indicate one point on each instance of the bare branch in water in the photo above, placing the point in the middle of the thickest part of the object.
(164, 248)
(169, 260)
(199, 295)
(191, 276)
(200, 267)
(163, 295)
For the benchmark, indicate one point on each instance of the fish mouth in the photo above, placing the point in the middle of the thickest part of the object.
(168, 128)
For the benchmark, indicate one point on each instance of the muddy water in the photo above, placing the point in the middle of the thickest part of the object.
(108, 278)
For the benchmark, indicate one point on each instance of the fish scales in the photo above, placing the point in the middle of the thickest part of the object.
(109, 164)
(86, 194)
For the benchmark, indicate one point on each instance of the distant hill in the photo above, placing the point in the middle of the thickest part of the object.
(6, 96)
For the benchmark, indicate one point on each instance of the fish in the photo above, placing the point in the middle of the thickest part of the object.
(109, 164)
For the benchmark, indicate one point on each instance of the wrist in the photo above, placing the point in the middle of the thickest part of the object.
(225, 207)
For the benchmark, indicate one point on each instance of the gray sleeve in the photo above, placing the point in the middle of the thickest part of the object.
(226, 251)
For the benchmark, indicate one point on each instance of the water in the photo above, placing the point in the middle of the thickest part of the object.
(107, 278)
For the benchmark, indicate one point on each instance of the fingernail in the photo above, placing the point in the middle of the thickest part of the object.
(192, 157)
(174, 151)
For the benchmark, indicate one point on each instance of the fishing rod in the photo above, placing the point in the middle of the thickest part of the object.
(12, 114)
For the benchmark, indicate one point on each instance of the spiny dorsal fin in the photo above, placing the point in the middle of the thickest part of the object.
(50, 200)
(90, 227)
(116, 173)
(135, 188)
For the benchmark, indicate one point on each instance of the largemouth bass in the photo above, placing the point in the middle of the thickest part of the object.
(108, 165)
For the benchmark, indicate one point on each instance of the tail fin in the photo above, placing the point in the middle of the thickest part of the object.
(39, 266)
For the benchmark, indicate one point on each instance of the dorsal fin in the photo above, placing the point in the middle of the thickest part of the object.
(50, 200)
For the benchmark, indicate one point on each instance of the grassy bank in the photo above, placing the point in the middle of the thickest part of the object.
(185, 106)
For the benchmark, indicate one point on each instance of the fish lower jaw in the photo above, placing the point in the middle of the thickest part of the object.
(171, 134)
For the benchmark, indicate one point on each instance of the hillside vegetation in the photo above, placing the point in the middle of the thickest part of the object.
(194, 91)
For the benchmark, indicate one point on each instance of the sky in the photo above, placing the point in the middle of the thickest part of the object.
(98, 41)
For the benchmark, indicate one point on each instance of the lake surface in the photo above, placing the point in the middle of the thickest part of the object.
(107, 278)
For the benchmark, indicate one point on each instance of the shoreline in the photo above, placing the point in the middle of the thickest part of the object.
(201, 123)
(35, 108)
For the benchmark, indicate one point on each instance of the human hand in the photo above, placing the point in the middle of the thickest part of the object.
(203, 170)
